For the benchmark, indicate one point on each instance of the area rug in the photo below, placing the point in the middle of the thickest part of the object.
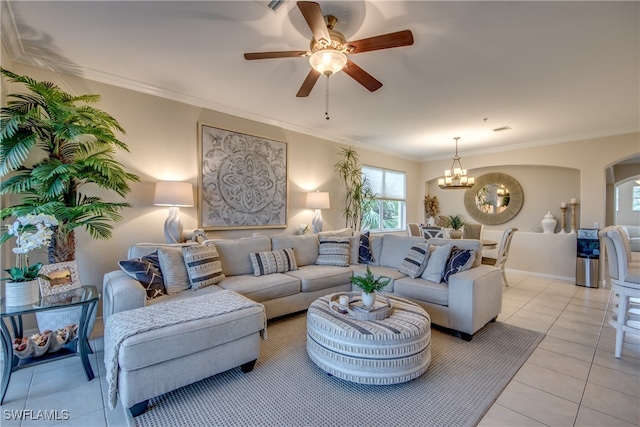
(287, 389)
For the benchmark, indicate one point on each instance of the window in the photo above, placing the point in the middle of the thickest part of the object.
(635, 203)
(388, 211)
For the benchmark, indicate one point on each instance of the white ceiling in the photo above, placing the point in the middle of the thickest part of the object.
(552, 71)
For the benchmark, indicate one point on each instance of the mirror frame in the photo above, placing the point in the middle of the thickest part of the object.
(516, 198)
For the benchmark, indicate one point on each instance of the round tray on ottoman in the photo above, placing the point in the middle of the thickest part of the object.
(388, 351)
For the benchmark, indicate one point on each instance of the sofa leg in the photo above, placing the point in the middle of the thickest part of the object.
(495, 319)
(465, 336)
(248, 367)
(139, 408)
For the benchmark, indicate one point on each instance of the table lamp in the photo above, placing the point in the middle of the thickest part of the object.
(174, 194)
(317, 200)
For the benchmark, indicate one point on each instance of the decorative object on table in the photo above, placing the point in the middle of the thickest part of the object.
(369, 284)
(352, 305)
(548, 223)
(574, 204)
(431, 209)
(563, 208)
(455, 222)
(31, 232)
(359, 193)
(317, 200)
(302, 229)
(80, 145)
(45, 342)
(243, 180)
(176, 195)
(456, 177)
(59, 277)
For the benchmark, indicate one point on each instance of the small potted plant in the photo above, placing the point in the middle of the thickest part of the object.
(369, 285)
(455, 222)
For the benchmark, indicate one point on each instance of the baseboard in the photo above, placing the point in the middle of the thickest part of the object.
(548, 276)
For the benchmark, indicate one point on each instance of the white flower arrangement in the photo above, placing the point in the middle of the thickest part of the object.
(31, 232)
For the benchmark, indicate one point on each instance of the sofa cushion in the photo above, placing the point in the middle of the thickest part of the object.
(146, 270)
(459, 260)
(203, 265)
(174, 270)
(343, 232)
(316, 277)
(423, 290)
(415, 261)
(378, 271)
(234, 253)
(305, 247)
(365, 256)
(263, 288)
(138, 250)
(395, 248)
(437, 262)
(473, 244)
(270, 262)
(334, 251)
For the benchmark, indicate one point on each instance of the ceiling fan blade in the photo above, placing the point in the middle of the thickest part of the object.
(313, 15)
(384, 41)
(308, 83)
(362, 77)
(282, 54)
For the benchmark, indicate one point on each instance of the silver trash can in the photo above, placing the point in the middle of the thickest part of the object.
(588, 260)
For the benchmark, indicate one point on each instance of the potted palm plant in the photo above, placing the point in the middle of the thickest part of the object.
(53, 145)
(359, 193)
(369, 285)
(455, 222)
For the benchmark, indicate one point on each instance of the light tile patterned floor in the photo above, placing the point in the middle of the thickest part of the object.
(571, 379)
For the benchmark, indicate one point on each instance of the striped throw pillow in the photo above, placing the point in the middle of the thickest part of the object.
(270, 262)
(334, 251)
(203, 265)
(416, 260)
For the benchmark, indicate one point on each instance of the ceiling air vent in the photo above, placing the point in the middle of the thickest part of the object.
(275, 4)
(501, 129)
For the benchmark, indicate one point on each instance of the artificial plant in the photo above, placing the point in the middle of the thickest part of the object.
(359, 193)
(53, 145)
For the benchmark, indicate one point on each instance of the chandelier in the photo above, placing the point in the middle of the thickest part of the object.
(456, 177)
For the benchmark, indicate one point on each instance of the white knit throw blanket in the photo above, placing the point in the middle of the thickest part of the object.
(125, 324)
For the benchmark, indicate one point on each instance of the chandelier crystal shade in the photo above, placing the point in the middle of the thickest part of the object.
(456, 177)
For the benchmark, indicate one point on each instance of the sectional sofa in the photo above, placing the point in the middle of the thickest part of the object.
(286, 273)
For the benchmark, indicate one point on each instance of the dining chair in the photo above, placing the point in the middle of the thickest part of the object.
(503, 253)
(414, 229)
(625, 286)
(472, 230)
(430, 231)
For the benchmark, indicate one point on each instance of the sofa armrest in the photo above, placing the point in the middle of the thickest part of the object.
(120, 292)
(475, 298)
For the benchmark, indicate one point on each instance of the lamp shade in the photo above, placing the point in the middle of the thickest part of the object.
(328, 61)
(173, 193)
(318, 200)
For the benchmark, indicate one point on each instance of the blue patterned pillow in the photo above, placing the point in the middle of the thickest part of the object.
(146, 270)
(416, 260)
(270, 262)
(459, 260)
(365, 256)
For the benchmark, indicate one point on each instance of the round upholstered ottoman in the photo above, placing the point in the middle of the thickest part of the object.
(388, 351)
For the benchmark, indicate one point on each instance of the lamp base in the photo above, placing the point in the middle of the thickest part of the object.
(173, 226)
(317, 222)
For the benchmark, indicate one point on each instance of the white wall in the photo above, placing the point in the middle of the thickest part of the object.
(625, 215)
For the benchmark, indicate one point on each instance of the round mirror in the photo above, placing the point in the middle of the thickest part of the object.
(494, 199)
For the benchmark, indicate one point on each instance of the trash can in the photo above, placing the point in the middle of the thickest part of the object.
(588, 258)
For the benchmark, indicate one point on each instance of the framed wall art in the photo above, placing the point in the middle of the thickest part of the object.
(243, 180)
(63, 276)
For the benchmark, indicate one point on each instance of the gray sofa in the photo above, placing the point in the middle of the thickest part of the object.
(471, 299)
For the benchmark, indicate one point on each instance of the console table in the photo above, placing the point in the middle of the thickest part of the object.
(85, 297)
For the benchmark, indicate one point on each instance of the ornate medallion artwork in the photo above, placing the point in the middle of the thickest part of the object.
(243, 180)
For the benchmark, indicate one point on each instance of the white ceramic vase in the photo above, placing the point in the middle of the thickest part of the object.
(548, 223)
(22, 293)
(368, 299)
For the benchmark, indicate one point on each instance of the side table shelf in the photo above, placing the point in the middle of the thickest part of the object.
(85, 298)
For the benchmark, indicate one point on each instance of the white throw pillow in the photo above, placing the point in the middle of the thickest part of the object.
(334, 251)
(437, 262)
(416, 260)
(174, 271)
(203, 265)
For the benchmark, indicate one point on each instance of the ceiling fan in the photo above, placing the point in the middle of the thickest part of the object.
(329, 49)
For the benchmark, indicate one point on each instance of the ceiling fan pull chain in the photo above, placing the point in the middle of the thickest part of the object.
(326, 113)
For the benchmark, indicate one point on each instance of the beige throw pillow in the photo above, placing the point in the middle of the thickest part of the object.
(174, 271)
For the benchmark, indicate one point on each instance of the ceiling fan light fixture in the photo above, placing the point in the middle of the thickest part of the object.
(328, 61)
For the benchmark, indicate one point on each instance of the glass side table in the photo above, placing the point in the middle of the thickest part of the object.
(85, 297)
